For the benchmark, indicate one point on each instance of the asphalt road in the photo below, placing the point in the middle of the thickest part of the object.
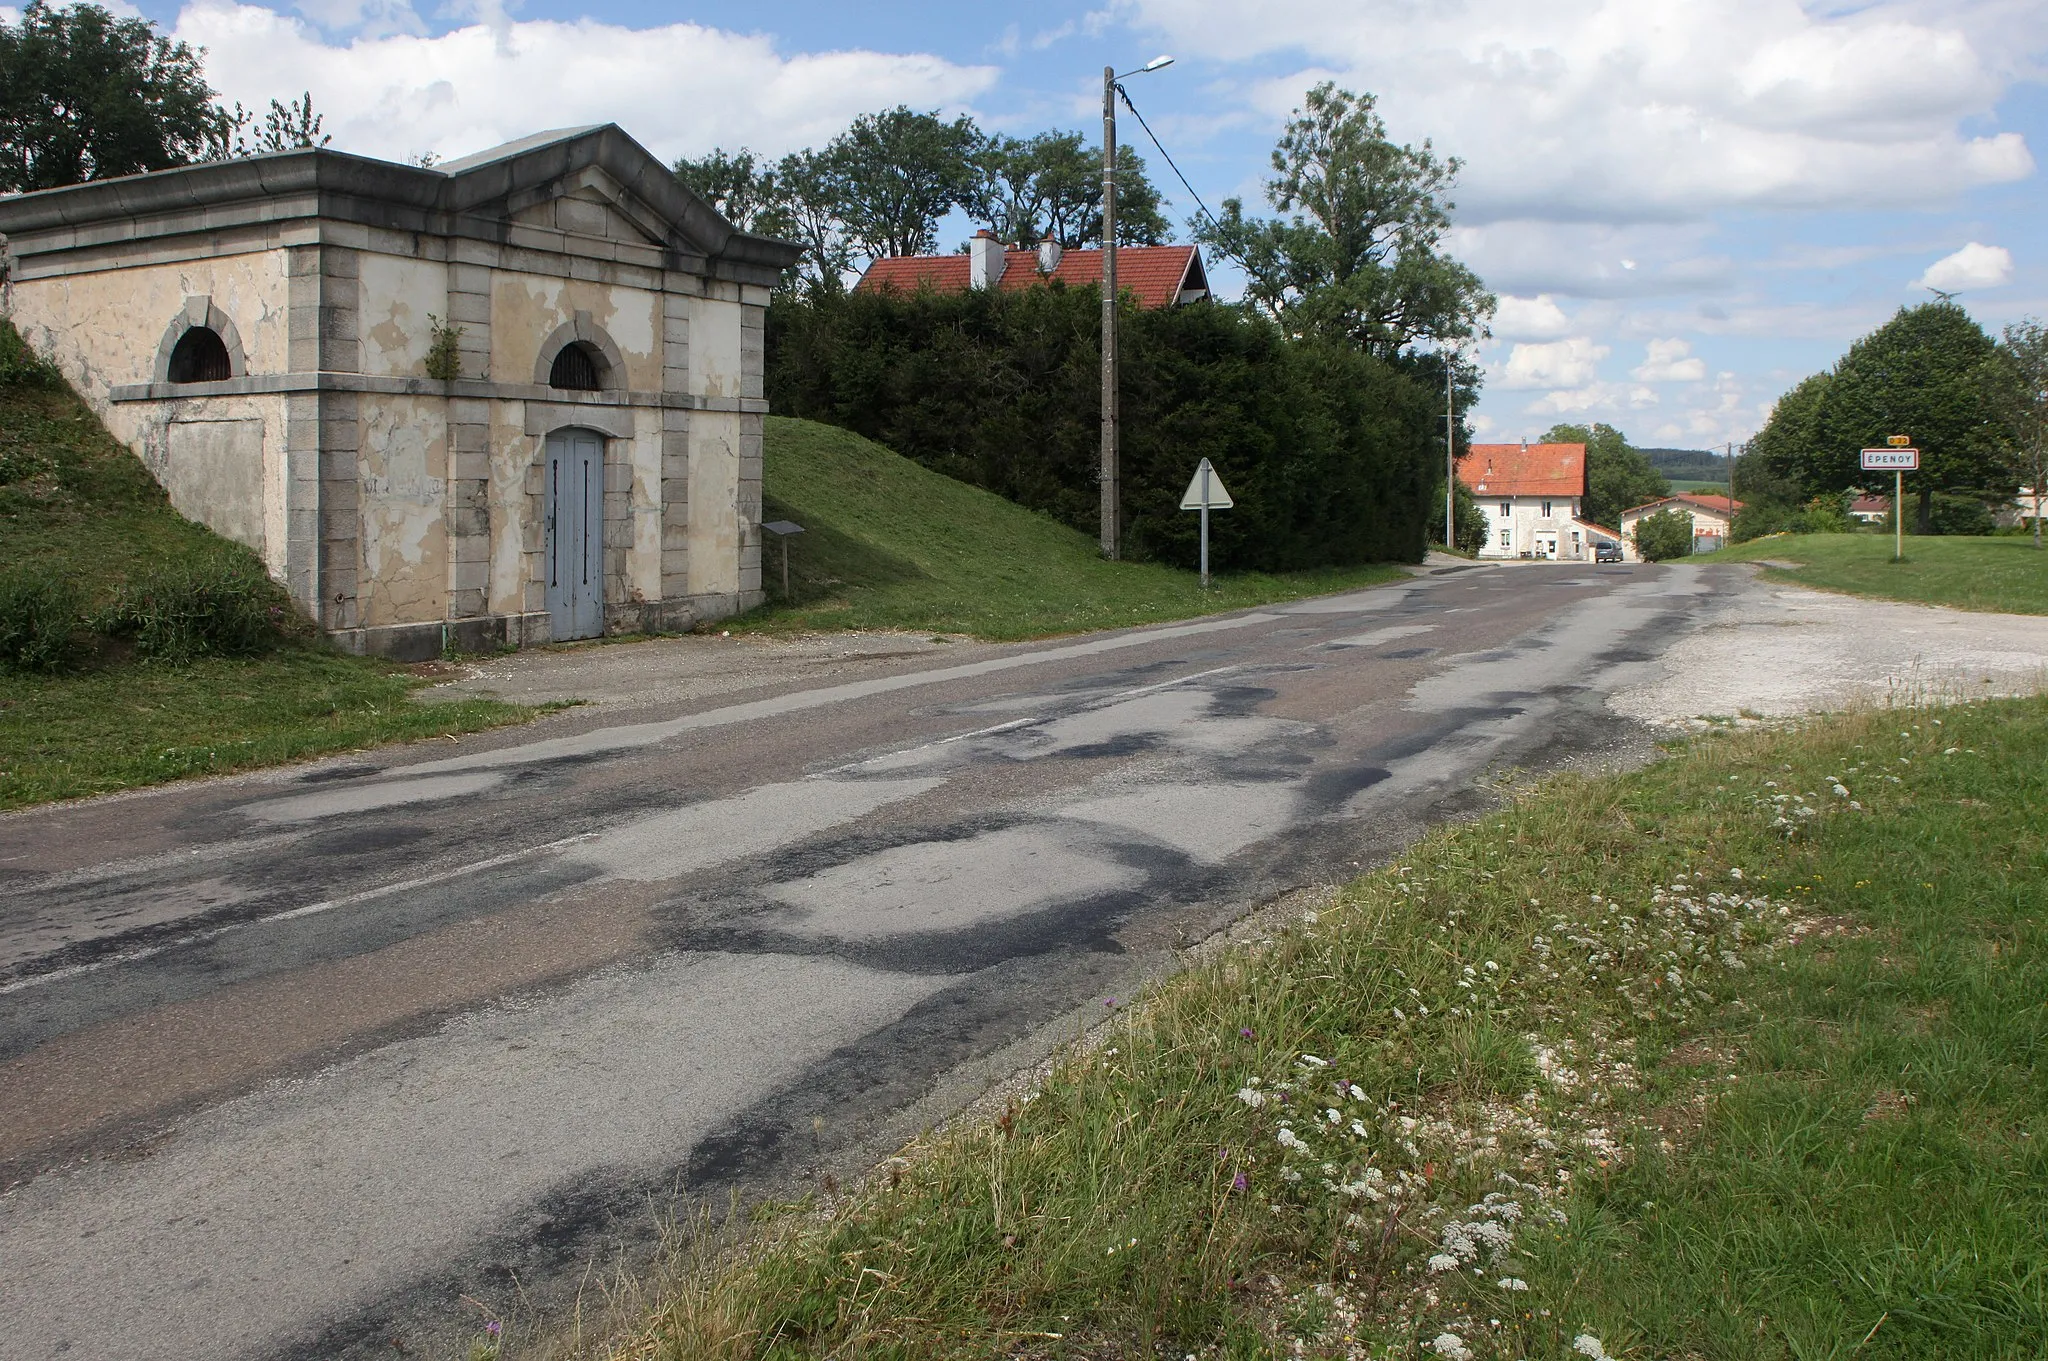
(289, 1065)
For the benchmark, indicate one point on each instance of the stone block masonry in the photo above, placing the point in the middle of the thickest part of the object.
(592, 297)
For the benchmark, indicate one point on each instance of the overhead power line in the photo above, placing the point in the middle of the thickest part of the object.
(1126, 96)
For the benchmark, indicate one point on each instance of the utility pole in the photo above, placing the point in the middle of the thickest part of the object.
(1111, 473)
(1450, 455)
(1111, 492)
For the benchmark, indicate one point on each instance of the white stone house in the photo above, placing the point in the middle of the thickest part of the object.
(260, 330)
(1711, 518)
(1532, 496)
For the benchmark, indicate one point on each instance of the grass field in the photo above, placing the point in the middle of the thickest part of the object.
(1737, 1056)
(1679, 484)
(889, 544)
(2004, 574)
(76, 505)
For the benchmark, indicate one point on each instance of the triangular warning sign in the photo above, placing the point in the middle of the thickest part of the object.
(1206, 489)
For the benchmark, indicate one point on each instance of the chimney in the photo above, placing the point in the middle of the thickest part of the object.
(985, 260)
(1049, 253)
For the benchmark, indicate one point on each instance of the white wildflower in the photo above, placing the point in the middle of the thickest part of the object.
(1451, 1347)
(1443, 1261)
(1841, 791)
(1589, 1346)
(1333, 1117)
(1251, 1096)
(1400, 1015)
(1312, 1061)
(1287, 1138)
(1512, 1283)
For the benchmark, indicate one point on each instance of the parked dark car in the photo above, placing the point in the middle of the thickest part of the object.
(1606, 551)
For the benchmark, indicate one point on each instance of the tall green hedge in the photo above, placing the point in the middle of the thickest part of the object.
(1327, 452)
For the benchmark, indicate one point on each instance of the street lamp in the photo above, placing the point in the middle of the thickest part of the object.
(1112, 494)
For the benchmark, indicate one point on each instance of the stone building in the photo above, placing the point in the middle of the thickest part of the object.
(505, 400)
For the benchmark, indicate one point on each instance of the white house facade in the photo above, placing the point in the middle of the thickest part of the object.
(1532, 496)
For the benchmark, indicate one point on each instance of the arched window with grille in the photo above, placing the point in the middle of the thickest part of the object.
(578, 368)
(200, 356)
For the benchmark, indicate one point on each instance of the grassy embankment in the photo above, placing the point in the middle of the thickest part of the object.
(891, 545)
(1737, 1056)
(76, 506)
(2003, 574)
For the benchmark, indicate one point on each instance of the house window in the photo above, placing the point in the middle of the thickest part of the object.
(577, 369)
(200, 356)
(1546, 510)
(1506, 539)
(1507, 508)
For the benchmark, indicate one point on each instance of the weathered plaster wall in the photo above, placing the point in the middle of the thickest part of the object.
(104, 328)
(715, 528)
(527, 308)
(398, 295)
(221, 460)
(715, 325)
(514, 495)
(402, 491)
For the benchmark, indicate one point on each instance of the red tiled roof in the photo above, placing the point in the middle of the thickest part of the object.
(1155, 275)
(1720, 505)
(1524, 470)
(1881, 504)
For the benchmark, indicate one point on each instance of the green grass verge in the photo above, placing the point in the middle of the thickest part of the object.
(2003, 574)
(1559, 1085)
(65, 737)
(76, 505)
(889, 544)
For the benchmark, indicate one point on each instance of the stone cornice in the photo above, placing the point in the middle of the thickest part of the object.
(256, 384)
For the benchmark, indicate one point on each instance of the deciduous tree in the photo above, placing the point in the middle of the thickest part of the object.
(893, 175)
(1358, 254)
(85, 95)
(2017, 385)
(1051, 185)
(1921, 374)
(1618, 475)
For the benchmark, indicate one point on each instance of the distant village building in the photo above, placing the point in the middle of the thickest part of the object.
(1532, 496)
(1711, 518)
(509, 399)
(1155, 276)
(1870, 510)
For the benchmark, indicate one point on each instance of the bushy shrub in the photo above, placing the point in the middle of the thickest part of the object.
(220, 604)
(39, 616)
(1821, 515)
(1959, 515)
(1663, 536)
(1328, 453)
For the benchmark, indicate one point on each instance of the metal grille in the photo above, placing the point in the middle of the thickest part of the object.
(575, 369)
(200, 356)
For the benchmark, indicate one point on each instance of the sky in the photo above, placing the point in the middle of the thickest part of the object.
(1684, 206)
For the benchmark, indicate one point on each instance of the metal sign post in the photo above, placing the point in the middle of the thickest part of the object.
(783, 529)
(1204, 494)
(1899, 458)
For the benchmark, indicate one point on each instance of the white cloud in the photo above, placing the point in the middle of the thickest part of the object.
(680, 89)
(1537, 318)
(1592, 109)
(1974, 266)
(1568, 363)
(1668, 361)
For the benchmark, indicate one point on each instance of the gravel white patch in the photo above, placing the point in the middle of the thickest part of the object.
(1780, 652)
